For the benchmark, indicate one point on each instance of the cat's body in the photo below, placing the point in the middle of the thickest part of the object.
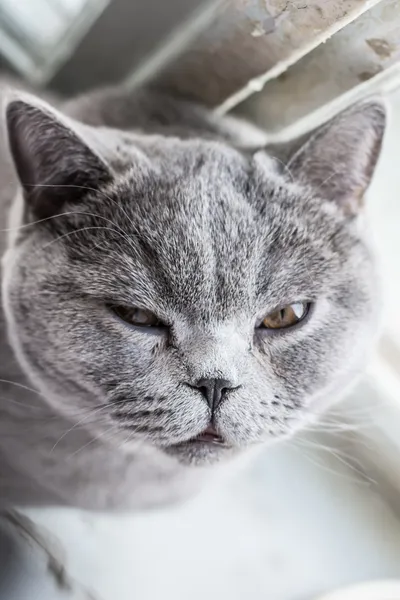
(185, 224)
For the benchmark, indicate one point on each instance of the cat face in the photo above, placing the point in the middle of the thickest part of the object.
(182, 294)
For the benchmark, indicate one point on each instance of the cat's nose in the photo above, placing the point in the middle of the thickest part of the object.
(214, 390)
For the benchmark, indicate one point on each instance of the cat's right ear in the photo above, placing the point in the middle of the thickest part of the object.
(55, 166)
(338, 159)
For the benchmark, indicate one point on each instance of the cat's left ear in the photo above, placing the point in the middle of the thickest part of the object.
(339, 159)
(54, 164)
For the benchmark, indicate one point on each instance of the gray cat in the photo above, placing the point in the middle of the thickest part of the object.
(173, 297)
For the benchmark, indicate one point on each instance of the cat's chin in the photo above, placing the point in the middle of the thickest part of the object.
(199, 451)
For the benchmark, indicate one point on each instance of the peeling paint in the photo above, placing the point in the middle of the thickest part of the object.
(358, 54)
(381, 47)
(365, 75)
(258, 15)
(260, 29)
(252, 41)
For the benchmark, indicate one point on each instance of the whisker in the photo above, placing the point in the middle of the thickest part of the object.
(90, 189)
(92, 412)
(85, 419)
(22, 386)
(339, 455)
(285, 166)
(87, 213)
(65, 235)
(24, 405)
(325, 467)
(92, 441)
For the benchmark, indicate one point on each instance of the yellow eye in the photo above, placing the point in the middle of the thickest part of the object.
(136, 316)
(287, 316)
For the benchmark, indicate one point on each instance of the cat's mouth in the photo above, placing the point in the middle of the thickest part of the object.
(209, 436)
(206, 446)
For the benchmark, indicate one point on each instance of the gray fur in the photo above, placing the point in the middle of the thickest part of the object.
(150, 202)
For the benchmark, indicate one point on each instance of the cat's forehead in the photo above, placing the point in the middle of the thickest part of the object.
(218, 239)
(176, 171)
(204, 228)
(173, 157)
(196, 183)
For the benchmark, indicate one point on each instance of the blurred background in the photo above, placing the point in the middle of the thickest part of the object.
(322, 510)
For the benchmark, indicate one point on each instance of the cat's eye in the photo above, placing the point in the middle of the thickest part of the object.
(286, 316)
(136, 316)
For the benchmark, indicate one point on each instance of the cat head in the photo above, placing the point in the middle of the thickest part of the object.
(182, 293)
